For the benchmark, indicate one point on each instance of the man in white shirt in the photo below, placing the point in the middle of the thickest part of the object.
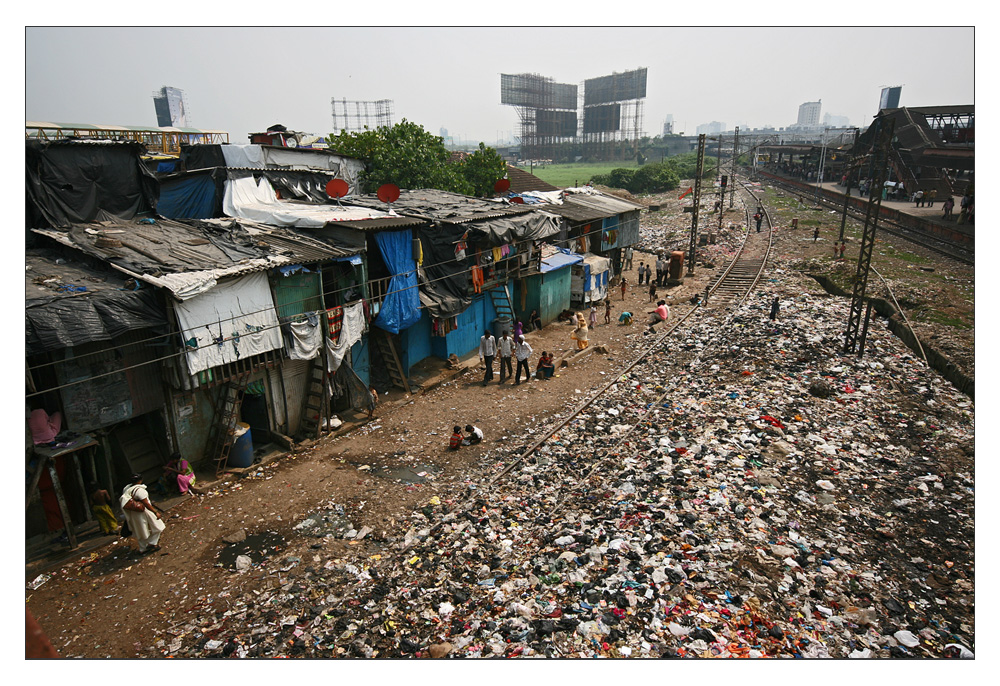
(522, 351)
(628, 257)
(506, 348)
(487, 351)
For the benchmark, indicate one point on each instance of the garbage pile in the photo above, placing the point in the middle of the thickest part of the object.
(769, 497)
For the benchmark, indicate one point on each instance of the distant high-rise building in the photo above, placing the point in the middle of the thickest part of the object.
(889, 99)
(170, 108)
(711, 127)
(809, 113)
(668, 125)
(835, 120)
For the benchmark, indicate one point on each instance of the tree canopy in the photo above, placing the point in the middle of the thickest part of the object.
(409, 156)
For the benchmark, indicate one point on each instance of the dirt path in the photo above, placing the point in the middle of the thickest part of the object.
(80, 608)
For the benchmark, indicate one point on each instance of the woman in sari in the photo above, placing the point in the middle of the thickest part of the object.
(143, 519)
(580, 333)
(179, 470)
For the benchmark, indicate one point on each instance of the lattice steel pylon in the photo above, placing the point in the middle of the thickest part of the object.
(880, 171)
(697, 203)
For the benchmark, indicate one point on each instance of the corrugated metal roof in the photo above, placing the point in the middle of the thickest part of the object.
(438, 205)
(521, 181)
(580, 207)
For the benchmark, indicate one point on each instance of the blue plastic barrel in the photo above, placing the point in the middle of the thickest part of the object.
(241, 454)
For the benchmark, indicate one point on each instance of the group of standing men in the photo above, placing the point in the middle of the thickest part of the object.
(645, 272)
(507, 348)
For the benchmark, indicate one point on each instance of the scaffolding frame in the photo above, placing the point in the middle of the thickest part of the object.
(166, 140)
(537, 100)
(355, 116)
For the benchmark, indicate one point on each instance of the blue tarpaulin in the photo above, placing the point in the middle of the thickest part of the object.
(192, 197)
(560, 259)
(401, 307)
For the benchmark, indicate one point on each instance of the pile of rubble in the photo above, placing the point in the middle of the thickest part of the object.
(767, 497)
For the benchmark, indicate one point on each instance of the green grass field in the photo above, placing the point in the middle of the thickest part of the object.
(566, 175)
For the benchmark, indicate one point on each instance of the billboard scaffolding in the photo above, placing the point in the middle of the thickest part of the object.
(612, 115)
(546, 109)
(357, 115)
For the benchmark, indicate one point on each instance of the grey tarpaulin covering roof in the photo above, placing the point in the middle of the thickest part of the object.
(188, 257)
(54, 296)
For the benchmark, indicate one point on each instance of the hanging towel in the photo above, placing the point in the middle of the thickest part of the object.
(335, 317)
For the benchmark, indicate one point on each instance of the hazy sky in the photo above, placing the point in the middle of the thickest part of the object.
(242, 80)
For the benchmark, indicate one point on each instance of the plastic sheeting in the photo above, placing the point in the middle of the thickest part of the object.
(249, 199)
(504, 230)
(249, 155)
(65, 322)
(78, 182)
(589, 282)
(556, 258)
(444, 287)
(401, 308)
(234, 319)
(189, 197)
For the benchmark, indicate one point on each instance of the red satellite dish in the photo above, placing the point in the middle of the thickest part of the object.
(337, 188)
(388, 192)
(517, 201)
(502, 185)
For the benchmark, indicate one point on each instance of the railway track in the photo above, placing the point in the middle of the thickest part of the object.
(736, 282)
(926, 240)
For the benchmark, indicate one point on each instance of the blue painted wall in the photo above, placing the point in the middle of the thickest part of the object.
(360, 360)
(416, 342)
(472, 323)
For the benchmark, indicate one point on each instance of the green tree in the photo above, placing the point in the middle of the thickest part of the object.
(482, 169)
(404, 154)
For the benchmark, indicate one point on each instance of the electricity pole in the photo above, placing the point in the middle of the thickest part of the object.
(736, 148)
(697, 203)
(880, 170)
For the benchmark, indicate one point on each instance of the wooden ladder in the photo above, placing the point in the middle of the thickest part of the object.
(227, 412)
(382, 340)
(316, 398)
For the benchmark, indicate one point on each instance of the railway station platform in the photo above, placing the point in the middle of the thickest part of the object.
(932, 218)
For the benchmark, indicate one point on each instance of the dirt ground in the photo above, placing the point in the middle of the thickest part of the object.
(114, 603)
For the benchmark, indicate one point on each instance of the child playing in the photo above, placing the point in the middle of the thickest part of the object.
(456, 438)
(546, 367)
(652, 292)
(475, 435)
(593, 315)
(372, 401)
(607, 311)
